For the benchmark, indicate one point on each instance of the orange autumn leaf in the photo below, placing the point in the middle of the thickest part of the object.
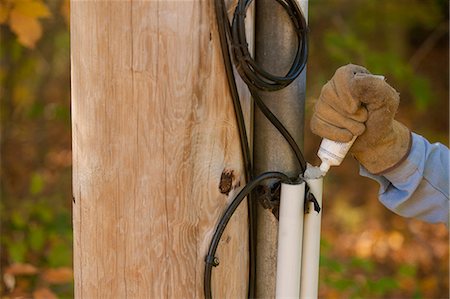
(32, 8)
(4, 11)
(44, 293)
(28, 30)
(58, 275)
(23, 20)
(21, 269)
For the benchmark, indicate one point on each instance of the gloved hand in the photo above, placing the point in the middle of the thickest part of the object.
(355, 103)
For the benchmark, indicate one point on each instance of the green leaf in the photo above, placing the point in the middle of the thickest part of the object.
(62, 224)
(36, 238)
(421, 91)
(44, 213)
(382, 285)
(417, 294)
(343, 284)
(59, 255)
(36, 184)
(17, 251)
(18, 220)
(333, 265)
(365, 264)
(407, 270)
(61, 112)
(36, 110)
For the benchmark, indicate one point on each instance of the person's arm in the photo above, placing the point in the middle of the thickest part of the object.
(419, 186)
(413, 173)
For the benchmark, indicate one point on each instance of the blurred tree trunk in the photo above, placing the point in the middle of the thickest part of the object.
(153, 129)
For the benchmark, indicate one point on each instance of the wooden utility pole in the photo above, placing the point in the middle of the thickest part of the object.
(153, 130)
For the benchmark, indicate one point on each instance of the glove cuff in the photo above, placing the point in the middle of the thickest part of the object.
(389, 152)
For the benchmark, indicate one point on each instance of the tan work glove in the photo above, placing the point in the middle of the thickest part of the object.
(354, 103)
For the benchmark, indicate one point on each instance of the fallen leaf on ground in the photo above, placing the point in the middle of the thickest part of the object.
(58, 275)
(44, 293)
(21, 269)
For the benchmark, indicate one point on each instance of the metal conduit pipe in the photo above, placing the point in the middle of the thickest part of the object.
(275, 48)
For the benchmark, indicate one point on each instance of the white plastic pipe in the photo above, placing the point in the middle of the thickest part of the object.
(290, 235)
(311, 243)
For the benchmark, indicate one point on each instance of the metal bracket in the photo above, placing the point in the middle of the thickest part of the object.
(269, 197)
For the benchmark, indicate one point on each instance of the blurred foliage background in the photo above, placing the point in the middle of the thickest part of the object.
(367, 251)
(36, 235)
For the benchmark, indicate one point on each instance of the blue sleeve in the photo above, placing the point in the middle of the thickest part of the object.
(419, 186)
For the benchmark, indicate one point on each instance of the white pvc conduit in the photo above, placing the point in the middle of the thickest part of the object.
(299, 239)
(311, 244)
(290, 232)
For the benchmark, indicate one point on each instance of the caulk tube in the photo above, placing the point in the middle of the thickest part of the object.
(333, 152)
(290, 235)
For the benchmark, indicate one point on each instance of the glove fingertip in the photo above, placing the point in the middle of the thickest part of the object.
(367, 89)
(358, 129)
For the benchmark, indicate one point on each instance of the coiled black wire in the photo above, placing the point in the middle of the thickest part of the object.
(257, 80)
(252, 74)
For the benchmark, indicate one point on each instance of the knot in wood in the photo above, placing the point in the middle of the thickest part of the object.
(226, 181)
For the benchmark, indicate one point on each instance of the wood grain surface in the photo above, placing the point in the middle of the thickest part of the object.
(153, 130)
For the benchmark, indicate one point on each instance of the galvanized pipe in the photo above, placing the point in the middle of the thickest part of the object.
(274, 50)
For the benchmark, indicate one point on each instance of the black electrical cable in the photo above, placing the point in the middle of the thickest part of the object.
(256, 79)
(210, 259)
(252, 74)
(223, 27)
(277, 124)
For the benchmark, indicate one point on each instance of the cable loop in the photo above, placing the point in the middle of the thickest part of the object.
(257, 80)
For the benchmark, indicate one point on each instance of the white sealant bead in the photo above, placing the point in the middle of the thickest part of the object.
(313, 172)
(324, 167)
